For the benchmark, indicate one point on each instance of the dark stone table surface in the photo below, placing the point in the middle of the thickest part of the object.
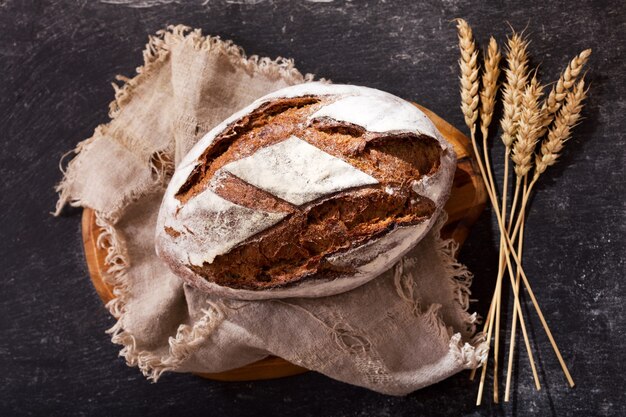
(57, 59)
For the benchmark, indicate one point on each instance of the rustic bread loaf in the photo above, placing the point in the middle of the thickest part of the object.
(309, 191)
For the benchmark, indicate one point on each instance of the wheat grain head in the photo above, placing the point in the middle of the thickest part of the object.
(469, 73)
(516, 77)
(565, 120)
(489, 90)
(559, 91)
(528, 129)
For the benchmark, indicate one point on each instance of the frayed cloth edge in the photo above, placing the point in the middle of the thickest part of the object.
(159, 46)
(156, 52)
(469, 353)
(187, 339)
(472, 353)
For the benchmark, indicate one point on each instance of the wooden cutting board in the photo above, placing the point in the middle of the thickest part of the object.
(466, 202)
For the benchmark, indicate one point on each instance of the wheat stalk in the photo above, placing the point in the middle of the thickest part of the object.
(530, 125)
(551, 147)
(469, 106)
(516, 77)
(520, 247)
(488, 95)
(515, 99)
(514, 85)
(565, 120)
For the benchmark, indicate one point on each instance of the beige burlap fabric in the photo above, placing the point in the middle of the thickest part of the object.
(402, 331)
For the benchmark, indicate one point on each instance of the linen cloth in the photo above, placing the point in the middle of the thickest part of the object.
(404, 330)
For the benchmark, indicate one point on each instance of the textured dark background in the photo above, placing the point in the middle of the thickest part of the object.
(57, 59)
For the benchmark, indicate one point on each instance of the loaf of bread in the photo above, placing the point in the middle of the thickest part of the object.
(310, 191)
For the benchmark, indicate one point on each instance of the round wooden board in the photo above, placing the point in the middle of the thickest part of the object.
(467, 200)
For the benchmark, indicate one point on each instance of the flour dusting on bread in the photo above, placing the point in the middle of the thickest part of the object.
(309, 191)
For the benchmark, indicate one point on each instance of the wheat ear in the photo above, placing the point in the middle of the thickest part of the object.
(564, 122)
(516, 77)
(559, 91)
(488, 93)
(491, 73)
(469, 74)
(551, 147)
(529, 132)
(512, 97)
(529, 127)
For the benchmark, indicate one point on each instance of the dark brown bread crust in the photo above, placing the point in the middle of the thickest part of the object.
(299, 245)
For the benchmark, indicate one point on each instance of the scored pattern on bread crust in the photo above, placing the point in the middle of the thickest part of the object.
(269, 123)
(297, 171)
(373, 114)
(337, 181)
(206, 226)
(240, 192)
(300, 245)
